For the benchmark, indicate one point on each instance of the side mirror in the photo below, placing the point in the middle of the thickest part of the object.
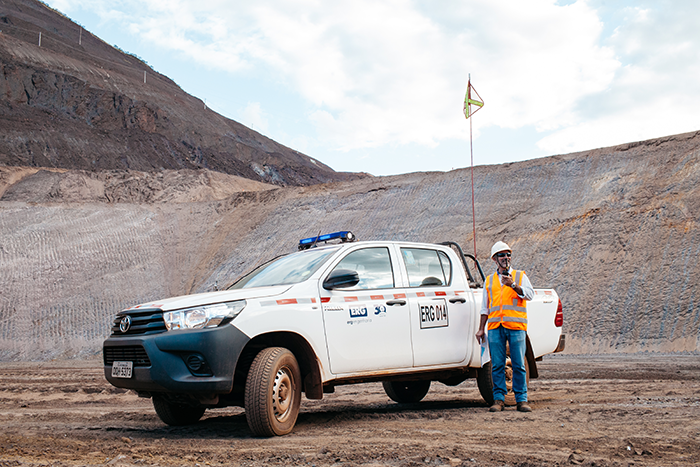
(341, 278)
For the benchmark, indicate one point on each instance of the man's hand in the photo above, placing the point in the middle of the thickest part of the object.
(480, 335)
(506, 280)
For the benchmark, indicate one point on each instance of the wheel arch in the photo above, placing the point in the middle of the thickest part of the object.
(299, 346)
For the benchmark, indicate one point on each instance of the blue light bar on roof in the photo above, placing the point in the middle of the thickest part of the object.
(344, 236)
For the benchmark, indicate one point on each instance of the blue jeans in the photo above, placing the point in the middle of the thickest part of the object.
(497, 346)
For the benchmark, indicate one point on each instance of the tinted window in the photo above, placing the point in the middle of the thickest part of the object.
(373, 265)
(426, 267)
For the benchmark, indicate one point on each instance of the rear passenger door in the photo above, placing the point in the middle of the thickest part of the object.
(440, 312)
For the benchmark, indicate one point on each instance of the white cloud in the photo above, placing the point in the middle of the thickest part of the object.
(656, 92)
(387, 73)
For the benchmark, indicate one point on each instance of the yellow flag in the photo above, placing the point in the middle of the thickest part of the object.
(472, 98)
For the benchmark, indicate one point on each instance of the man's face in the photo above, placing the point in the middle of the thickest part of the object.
(502, 260)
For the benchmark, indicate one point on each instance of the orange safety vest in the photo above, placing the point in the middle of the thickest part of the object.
(506, 308)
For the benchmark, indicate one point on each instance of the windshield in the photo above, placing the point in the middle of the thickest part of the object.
(290, 269)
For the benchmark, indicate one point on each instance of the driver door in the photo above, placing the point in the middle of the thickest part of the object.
(367, 325)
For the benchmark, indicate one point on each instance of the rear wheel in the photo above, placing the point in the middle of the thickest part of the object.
(510, 396)
(405, 392)
(176, 414)
(273, 392)
(484, 380)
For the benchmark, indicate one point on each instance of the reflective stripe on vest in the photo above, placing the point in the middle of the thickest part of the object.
(506, 308)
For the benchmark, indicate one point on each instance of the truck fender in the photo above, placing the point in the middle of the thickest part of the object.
(302, 350)
(530, 357)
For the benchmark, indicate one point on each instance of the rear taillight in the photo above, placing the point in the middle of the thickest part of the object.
(559, 317)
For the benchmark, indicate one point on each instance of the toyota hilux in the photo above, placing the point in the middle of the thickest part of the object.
(336, 312)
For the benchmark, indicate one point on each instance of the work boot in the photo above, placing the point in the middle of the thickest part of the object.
(524, 407)
(497, 406)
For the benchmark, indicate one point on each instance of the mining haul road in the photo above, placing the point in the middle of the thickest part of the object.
(610, 410)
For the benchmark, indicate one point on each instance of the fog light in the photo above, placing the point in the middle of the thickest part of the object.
(195, 362)
(197, 365)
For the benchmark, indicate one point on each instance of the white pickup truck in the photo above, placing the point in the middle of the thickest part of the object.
(402, 313)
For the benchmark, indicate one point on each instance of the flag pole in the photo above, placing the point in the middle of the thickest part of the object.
(470, 100)
(471, 150)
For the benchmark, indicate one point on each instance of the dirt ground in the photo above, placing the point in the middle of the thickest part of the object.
(588, 410)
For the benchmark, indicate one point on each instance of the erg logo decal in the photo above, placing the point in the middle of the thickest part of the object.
(433, 314)
(358, 312)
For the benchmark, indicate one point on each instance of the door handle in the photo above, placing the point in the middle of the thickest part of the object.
(396, 302)
(458, 300)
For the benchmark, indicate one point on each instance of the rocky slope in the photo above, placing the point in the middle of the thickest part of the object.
(167, 186)
(614, 230)
(76, 102)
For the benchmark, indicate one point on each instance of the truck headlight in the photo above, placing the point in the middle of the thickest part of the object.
(206, 316)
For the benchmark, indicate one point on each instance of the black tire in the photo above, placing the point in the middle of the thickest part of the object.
(484, 380)
(176, 414)
(273, 392)
(406, 392)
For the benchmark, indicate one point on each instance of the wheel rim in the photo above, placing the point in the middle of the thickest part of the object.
(509, 375)
(283, 394)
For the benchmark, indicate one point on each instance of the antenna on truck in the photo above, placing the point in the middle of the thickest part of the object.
(472, 98)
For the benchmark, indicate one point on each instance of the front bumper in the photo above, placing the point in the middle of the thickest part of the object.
(165, 368)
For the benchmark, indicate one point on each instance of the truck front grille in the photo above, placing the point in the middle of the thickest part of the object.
(126, 353)
(145, 321)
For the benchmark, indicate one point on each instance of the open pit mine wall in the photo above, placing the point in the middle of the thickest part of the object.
(615, 231)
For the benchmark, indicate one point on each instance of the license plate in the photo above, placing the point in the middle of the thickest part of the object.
(122, 369)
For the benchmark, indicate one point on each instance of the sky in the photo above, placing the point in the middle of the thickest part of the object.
(378, 86)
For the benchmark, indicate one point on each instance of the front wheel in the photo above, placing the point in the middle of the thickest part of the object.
(176, 414)
(273, 392)
(405, 392)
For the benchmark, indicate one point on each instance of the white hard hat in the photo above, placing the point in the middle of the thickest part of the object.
(498, 247)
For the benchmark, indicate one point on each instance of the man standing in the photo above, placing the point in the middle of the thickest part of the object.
(504, 309)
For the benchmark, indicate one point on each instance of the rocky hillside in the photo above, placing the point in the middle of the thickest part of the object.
(614, 230)
(75, 102)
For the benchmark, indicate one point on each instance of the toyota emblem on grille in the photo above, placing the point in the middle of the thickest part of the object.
(125, 323)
